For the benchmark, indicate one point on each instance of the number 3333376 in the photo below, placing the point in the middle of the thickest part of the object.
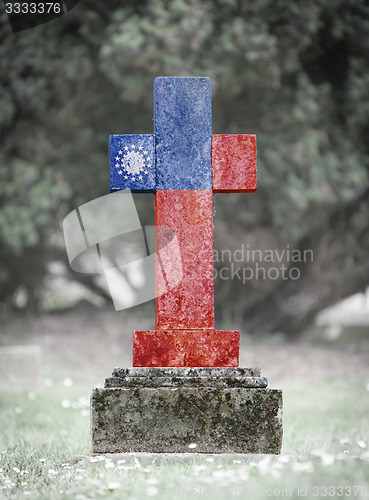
(33, 8)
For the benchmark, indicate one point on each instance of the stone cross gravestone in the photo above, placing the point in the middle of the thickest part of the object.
(184, 164)
(185, 386)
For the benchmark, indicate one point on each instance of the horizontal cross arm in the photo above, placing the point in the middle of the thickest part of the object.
(233, 159)
(132, 162)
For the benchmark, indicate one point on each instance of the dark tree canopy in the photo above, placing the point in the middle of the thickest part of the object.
(294, 73)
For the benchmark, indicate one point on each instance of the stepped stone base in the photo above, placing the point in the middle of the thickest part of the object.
(169, 410)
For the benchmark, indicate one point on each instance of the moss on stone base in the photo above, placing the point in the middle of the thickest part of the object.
(165, 419)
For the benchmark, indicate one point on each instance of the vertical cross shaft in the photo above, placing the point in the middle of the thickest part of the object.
(183, 199)
(189, 164)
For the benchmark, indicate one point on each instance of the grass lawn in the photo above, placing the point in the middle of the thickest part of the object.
(325, 451)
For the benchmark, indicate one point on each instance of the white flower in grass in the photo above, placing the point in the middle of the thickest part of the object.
(192, 446)
(152, 491)
(264, 464)
(124, 467)
(68, 382)
(303, 467)
(109, 465)
(84, 402)
(52, 472)
(277, 465)
(199, 467)
(361, 444)
(114, 485)
(8, 483)
(219, 473)
(327, 460)
(243, 474)
(15, 469)
(152, 480)
(65, 403)
(275, 473)
(42, 460)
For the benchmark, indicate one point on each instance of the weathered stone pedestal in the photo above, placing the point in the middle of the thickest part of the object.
(165, 410)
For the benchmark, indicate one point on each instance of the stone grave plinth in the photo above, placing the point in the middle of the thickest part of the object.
(182, 410)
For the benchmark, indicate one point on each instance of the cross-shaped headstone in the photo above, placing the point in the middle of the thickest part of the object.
(184, 164)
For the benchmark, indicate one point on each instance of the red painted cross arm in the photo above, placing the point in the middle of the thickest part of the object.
(233, 159)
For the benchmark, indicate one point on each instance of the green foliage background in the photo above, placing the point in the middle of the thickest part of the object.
(294, 73)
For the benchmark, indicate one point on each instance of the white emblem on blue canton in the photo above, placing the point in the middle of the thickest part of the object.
(133, 162)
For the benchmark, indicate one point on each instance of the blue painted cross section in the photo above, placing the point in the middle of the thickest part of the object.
(178, 155)
(182, 123)
(132, 162)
